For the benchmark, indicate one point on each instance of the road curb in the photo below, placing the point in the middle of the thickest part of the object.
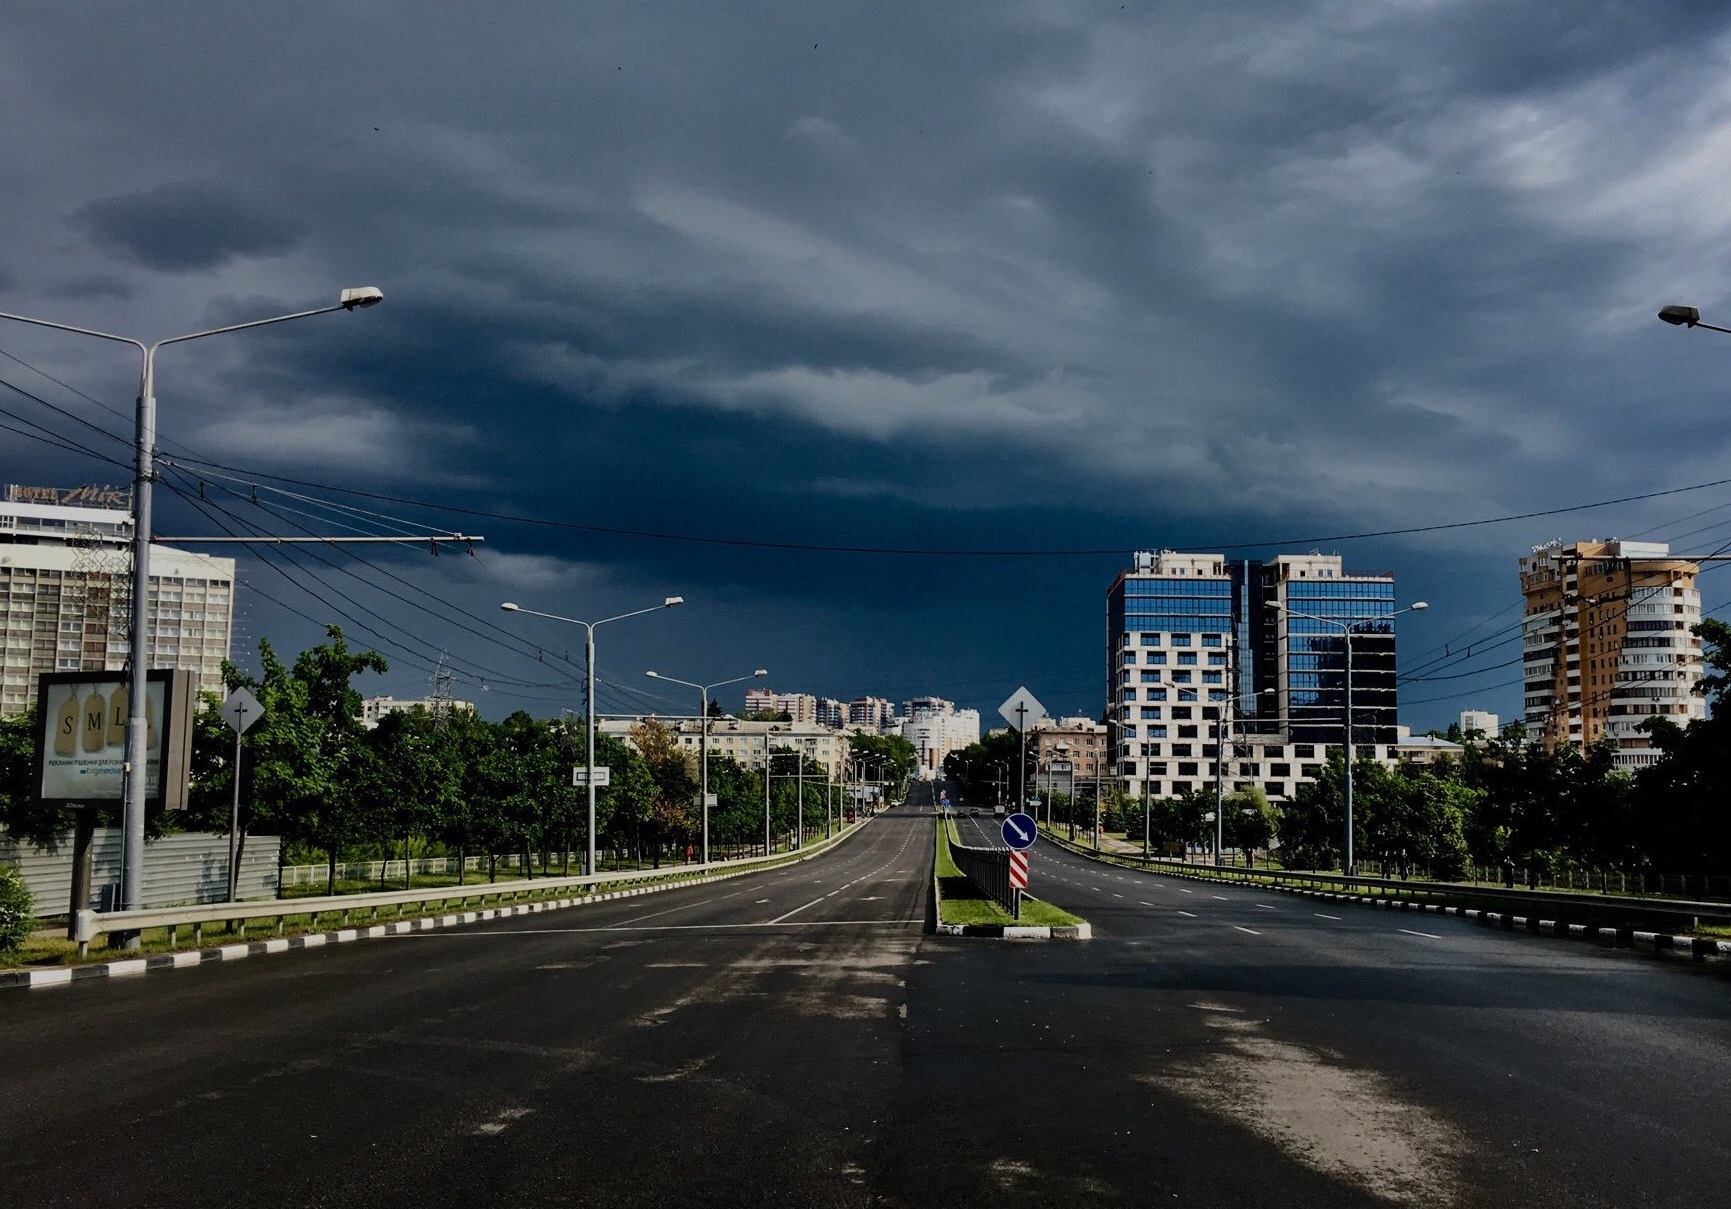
(1664, 944)
(188, 958)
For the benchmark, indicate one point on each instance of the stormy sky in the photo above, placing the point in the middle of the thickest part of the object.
(691, 288)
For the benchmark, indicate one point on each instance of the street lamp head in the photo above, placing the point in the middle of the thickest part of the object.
(671, 601)
(762, 671)
(1680, 316)
(509, 607)
(1276, 605)
(653, 675)
(1419, 606)
(360, 296)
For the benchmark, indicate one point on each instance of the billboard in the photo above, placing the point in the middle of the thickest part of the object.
(81, 737)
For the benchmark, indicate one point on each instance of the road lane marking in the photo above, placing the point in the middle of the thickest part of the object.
(654, 914)
(1320, 915)
(1187, 915)
(760, 902)
(1262, 906)
(1115, 894)
(1220, 897)
(1145, 904)
(1182, 890)
(814, 902)
(1252, 931)
(1429, 935)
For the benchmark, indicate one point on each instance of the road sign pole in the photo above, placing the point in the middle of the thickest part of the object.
(234, 826)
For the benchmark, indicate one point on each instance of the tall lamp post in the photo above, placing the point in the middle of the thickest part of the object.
(703, 737)
(589, 694)
(143, 483)
(1687, 316)
(1346, 629)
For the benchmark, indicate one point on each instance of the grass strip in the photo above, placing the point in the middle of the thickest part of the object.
(961, 902)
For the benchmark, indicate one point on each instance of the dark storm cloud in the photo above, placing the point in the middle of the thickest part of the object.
(1043, 275)
(180, 228)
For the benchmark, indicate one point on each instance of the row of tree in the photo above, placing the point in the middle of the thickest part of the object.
(450, 783)
(1507, 799)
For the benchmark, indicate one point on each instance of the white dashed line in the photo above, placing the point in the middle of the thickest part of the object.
(1187, 915)
(1262, 906)
(1220, 898)
(1428, 935)
(1252, 931)
(1320, 915)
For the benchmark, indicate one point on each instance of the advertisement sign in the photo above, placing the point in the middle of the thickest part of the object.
(81, 737)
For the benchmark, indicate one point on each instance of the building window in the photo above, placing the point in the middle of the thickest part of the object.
(1150, 677)
(1180, 640)
(1150, 640)
(1211, 678)
(1187, 770)
(1304, 751)
(1280, 770)
(1150, 713)
(1211, 640)
(1187, 694)
(1157, 732)
(1180, 711)
(1187, 658)
(1155, 657)
(1156, 694)
(1186, 732)
(1181, 749)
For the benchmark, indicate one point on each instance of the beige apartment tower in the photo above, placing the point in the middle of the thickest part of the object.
(1607, 642)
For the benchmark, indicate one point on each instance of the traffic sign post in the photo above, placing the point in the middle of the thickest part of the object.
(580, 777)
(240, 711)
(1021, 710)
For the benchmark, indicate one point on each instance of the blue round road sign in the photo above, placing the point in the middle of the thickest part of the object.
(1019, 831)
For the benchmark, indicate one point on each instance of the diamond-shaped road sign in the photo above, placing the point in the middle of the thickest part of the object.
(1022, 710)
(241, 710)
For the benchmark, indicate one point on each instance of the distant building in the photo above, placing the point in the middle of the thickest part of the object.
(831, 713)
(66, 592)
(1608, 642)
(873, 712)
(1479, 721)
(374, 710)
(936, 727)
(799, 707)
(749, 742)
(1078, 744)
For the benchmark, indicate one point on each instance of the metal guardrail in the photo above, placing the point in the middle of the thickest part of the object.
(1598, 910)
(90, 924)
(988, 869)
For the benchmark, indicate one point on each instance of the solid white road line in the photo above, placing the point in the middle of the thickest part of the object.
(814, 902)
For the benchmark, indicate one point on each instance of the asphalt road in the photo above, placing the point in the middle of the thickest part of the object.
(796, 1038)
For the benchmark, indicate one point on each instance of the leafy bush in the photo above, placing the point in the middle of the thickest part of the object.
(17, 910)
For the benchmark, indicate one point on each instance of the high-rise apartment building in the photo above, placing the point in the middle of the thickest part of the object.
(1608, 641)
(65, 594)
(1195, 653)
(799, 707)
(936, 727)
(1168, 666)
(873, 712)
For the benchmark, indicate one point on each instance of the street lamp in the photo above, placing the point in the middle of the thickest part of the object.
(703, 738)
(143, 483)
(1687, 316)
(589, 695)
(1346, 629)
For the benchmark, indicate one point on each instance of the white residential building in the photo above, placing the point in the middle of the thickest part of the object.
(65, 593)
(936, 727)
(747, 742)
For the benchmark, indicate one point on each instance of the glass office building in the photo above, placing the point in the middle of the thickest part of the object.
(1195, 651)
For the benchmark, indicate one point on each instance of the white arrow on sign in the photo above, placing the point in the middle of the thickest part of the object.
(241, 710)
(1014, 826)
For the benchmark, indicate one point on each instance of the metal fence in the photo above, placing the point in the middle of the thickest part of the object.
(988, 869)
(188, 868)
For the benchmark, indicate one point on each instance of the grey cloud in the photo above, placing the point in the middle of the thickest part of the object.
(186, 227)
